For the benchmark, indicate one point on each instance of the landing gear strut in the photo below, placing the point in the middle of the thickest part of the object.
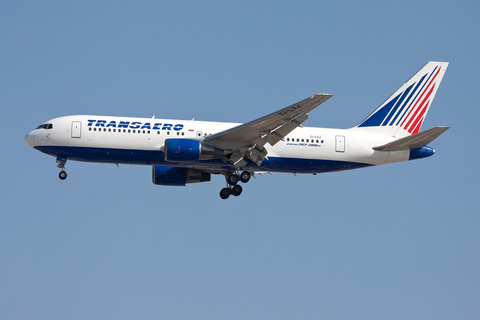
(232, 187)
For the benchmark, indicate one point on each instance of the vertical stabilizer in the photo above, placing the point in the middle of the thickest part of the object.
(404, 112)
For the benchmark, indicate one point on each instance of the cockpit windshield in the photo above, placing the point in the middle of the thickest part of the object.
(45, 126)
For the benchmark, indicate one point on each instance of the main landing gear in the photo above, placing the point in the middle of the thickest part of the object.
(232, 187)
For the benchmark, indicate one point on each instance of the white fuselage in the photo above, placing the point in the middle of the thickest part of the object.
(140, 141)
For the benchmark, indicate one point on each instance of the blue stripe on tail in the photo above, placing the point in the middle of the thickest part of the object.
(400, 104)
(376, 119)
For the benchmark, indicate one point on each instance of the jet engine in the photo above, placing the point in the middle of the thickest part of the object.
(173, 176)
(189, 150)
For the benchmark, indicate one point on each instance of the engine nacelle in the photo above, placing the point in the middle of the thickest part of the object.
(189, 150)
(173, 176)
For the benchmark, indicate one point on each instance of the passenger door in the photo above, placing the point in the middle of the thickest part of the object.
(76, 129)
(339, 143)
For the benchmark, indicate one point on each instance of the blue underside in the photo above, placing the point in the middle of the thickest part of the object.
(156, 158)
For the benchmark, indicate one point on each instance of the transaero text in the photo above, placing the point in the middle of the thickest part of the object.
(134, 125)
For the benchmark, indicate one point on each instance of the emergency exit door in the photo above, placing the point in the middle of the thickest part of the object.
(76, 129)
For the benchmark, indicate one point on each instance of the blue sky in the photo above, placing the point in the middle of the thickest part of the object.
(391, 242)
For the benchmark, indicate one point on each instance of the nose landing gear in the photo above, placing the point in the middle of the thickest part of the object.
(232, 187)
(61, 164)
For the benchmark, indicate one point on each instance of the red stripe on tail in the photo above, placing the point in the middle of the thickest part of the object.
(416, 103)
(419, 112)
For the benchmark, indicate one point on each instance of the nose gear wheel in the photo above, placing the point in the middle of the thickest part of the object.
(62, 175)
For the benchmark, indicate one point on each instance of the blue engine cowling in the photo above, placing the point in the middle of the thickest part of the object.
(172, 176)
(420, 153)
(189, 150)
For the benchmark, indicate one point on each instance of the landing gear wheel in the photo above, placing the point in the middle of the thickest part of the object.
(62, 175)
(237, 190)
(245, 176)
(232, 179)
(225, 193)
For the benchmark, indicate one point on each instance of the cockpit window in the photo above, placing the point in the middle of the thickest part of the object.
(45, 126)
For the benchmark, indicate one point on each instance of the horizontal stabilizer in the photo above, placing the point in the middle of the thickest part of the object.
(415, 141)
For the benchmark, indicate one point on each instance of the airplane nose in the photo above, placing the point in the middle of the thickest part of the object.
(29, 139)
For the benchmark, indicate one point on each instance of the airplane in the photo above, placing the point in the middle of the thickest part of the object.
(190, 151)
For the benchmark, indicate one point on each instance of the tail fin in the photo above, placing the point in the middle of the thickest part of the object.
(403, 113)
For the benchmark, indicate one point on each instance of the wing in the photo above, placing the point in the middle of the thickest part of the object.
(248, 140)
